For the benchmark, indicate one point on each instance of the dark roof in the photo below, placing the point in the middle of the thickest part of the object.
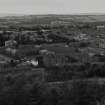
(60, 49)
(65, 36)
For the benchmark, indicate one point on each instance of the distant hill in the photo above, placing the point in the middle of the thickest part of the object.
(47, 19)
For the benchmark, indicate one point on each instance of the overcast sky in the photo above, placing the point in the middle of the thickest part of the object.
(52, 6)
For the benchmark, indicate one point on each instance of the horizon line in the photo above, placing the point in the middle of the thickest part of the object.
(22, 14)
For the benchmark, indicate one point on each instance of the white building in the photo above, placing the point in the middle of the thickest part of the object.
(10, 43)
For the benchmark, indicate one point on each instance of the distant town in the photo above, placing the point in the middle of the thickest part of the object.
(51, 50)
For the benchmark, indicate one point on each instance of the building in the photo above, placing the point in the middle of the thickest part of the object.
(57, 55)
(10, 44)
(11, 51)
(81, 37)
(100, 27)
(57, 23)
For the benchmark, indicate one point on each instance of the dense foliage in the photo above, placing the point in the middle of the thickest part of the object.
(23, 89)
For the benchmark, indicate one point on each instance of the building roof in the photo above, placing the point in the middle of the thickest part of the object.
(93, 51)
(60, 49)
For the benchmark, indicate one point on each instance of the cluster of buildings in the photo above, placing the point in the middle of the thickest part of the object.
(58, 54)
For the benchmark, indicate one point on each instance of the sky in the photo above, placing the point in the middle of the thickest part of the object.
(52, 6)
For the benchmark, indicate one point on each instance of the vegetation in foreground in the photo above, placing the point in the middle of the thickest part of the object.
(25, 89)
